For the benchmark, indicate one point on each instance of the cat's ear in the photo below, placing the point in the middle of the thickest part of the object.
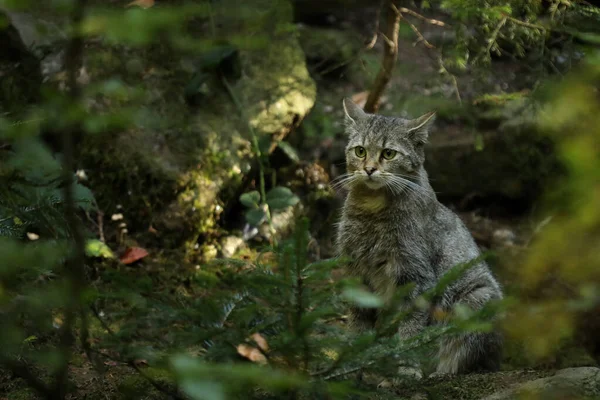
(352, 111)
(418, 130)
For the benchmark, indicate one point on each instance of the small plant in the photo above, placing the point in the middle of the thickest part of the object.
(259, 210)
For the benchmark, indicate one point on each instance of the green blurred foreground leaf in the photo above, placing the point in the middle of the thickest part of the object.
(362, 298)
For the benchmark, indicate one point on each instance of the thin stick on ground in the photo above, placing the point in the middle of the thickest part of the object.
(390, 56)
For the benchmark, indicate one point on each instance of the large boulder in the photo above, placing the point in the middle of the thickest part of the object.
(503, 157)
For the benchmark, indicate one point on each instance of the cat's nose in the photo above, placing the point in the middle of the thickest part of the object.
(370, 170)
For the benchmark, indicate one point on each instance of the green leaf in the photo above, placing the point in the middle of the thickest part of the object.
(250, 199)
(97, 248)
(188, 369)
(30, 339)
(264, 144)
(289, 151)
(362, 298)
(589, 37)
(255, 216)
(215, 56)
(281, 197)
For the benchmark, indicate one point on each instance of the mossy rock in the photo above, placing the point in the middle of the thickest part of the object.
(501, 155)
(176, 171)
(513, 166)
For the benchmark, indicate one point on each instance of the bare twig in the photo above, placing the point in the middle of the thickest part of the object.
(420, 37)
(371, 43)
(390, 55)
(100, 218)
(452, 79)
(428, 20)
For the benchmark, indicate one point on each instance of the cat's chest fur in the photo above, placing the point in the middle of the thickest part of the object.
(388, 249)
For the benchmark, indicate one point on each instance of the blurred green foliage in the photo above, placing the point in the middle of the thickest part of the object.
(561, 273)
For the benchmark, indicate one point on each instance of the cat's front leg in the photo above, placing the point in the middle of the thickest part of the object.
(416, 319)
(409, 328)
(412, 325)
(362, 319)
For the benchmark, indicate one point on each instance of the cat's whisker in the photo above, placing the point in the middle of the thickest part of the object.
(390, 186)
(421, 193)
(341, 177)
(342, 182)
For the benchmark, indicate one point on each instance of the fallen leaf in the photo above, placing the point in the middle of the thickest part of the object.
(111, 363)
(252, 354)
(260, 341)
(133, 254)
(151, 229)
(141, 3)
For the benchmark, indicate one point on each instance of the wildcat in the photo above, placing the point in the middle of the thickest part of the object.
(396, 232)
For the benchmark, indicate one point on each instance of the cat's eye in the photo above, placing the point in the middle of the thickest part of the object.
(388, 154)
(360, 151)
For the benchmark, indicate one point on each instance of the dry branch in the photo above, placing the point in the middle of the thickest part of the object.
(390, 55)
(428, 20)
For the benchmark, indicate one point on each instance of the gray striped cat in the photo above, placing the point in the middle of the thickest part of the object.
(396, 232)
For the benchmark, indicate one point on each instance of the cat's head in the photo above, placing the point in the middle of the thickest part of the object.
(383, 150)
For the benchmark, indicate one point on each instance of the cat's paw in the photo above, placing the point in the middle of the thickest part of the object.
(438, 375)
(413, 373)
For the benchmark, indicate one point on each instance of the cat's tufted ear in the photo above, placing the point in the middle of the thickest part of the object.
(353, 112)
(419, 128)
